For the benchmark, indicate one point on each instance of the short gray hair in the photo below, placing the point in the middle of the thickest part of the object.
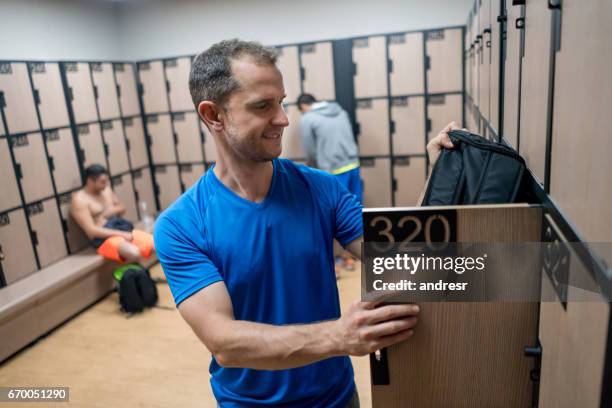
(211, 77)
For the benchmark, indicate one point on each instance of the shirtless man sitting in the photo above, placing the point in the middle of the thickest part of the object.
(98, 212)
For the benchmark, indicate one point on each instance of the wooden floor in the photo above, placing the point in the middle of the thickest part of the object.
(149, 360)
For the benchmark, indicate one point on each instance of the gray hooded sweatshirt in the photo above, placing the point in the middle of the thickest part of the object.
(328, 138)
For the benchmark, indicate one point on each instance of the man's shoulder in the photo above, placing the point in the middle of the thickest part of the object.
(310, 175)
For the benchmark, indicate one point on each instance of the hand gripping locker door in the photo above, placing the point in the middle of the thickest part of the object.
(189, 140)
(289, 65)
(32, 166)
(442, 109)
(17, 98)
(153, 87)
(77, 240)
(8, 182)
(512, 73)
(444, 54)
(177, 74)
(409, 180)
(126, 88)
(143, 185)
(408, 125)
(136, 144)
(168, 185)
(16, 252)
(124, 189)
(49, 94)
(376, 179)
(190, 174)
(372, 117)
(161, 139)
(406, 67)
(318, 70)
(63, 159)
(105, 90)
(370, 67)
(92, 146)
(293, 148)
(81, 92)
(47, 231)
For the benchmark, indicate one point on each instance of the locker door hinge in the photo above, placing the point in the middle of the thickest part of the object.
(106, 150)
(118, 91)
(95, 89)
(2, 100)
(51, 163)
(390, 65)
(427, 63)
(34, 236)
(392, 127)
(36, 97)
(18, 171)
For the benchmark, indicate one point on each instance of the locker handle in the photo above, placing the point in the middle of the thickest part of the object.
(70, 93)
(36, 97)
(501, 19)
(18, 171)
(518, 2)
(487, 31)
(127, 144)
(34, 238)
(64, 225)
(167, 86)
(118, 91)
(520, 23)
(533, 351)
(1, 254)
(554, 4)
(82, 154)
(51, 163)
(488, 44)
(106, 150)
(390, 64)
(95, 90)
(392, 127)
(2, 100)
(302, 73)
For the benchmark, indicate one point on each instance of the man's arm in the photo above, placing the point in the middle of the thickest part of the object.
(79, 210)
(117, 208)
(364, 328)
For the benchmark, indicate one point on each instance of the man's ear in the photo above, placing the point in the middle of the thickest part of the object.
(209, 113)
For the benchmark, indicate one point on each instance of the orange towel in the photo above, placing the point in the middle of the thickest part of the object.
(110, 247)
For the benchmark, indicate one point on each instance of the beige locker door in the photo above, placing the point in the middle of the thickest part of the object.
(177, 73)
(30, 157)
(189, 142)
(534, 87)
(114, 140)
(123, 188)
(8, 182)
(495, 67)
(17, 258)
(167, 181)
(135, 138)
(105, 89)
(376, 178)
(408, 132)
(154, 97)
(373, 119)
(210, 148)
(409, 175)
(161, 139)
(65, 169)
(92, 146)
(289, 65)
(580, 155)
(406, 58)
(318, 70)
(485, 58)
(293, 148)
(512, 73)
(19, 108)
(191, 173)
(143, 184)
(77, 239)
(47, 229)
(442, 110)
(47, 82)
(128, 94)
(81, 92)
(444, 51)
(370, 59)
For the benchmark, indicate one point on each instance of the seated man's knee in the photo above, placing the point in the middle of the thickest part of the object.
(129, 252)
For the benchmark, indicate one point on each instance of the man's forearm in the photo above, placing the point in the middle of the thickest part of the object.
(103, 233)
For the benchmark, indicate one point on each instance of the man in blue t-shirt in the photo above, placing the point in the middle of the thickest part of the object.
(247, 251)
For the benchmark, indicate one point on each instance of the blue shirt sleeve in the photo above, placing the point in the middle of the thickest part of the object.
(349, 222)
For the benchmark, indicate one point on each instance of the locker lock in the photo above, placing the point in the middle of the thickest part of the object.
(554, 4)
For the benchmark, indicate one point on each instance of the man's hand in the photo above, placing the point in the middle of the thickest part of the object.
(442, 141)
(127, 235)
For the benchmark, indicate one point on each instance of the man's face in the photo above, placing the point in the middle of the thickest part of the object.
(255, 118)
(98, 185)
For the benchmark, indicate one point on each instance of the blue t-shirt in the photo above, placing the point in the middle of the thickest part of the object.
(276, 259)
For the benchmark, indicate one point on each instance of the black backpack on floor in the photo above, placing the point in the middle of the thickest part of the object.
(136, 289)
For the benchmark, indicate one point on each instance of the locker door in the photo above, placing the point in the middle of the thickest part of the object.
(144, 188)
(409, 174)
(370, 62)
(123, 188)
(62, 153)
(191, 173)
(77, 239)
(406, 59)
(81, 92)
(168, 185)
(512, 74)
(18, 258)
(408, 129)
(8, 185)
(19, 107)
(293, 147)
(210, 148)
(373, 120)
(495, 67)
(128, 94)
(154, 97)
(105, 90)
(444, 52)
(92, 146)
(161, 139)
(189, 142)
(475, 63)
(376, 179)
(289, 65)
(318, 70)
(48, 233)
(114, 141)
(47, 83)
(177, 72)
(443, 109)
(135, 138)
(30, 157)
(485, 58)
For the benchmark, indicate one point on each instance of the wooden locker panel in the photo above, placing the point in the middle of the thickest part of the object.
(370, 62)
(92, 146)
(189, 141)
(495, 68)
(114, 140)
(161, 139)
(442, 110)
(105, 89)
(154, 97)
(373, 120)
(293, 147)
(9, 197)
(19, 108)
(30, 157)
(376, 179)
(512, 74)
(65, 169)
(408, 132)
(167, 181)
(48, 232)
(485, 58)
(318, 70)
(18, 258)
(210, 147)
(135, 138)
(580, 164)
(76, 237)
(124, 190)
(81, 92)
(47, 83)
(128, 93)
(406, 58)
(409, 174)
(191, 173)
(289, 65)
(143, 184)
(445, 62)
(177, 73)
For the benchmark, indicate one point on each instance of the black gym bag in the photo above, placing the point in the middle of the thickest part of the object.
(136, 289)
(476, 171)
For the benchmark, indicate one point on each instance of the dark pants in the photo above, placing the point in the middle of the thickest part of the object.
(116, 223)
